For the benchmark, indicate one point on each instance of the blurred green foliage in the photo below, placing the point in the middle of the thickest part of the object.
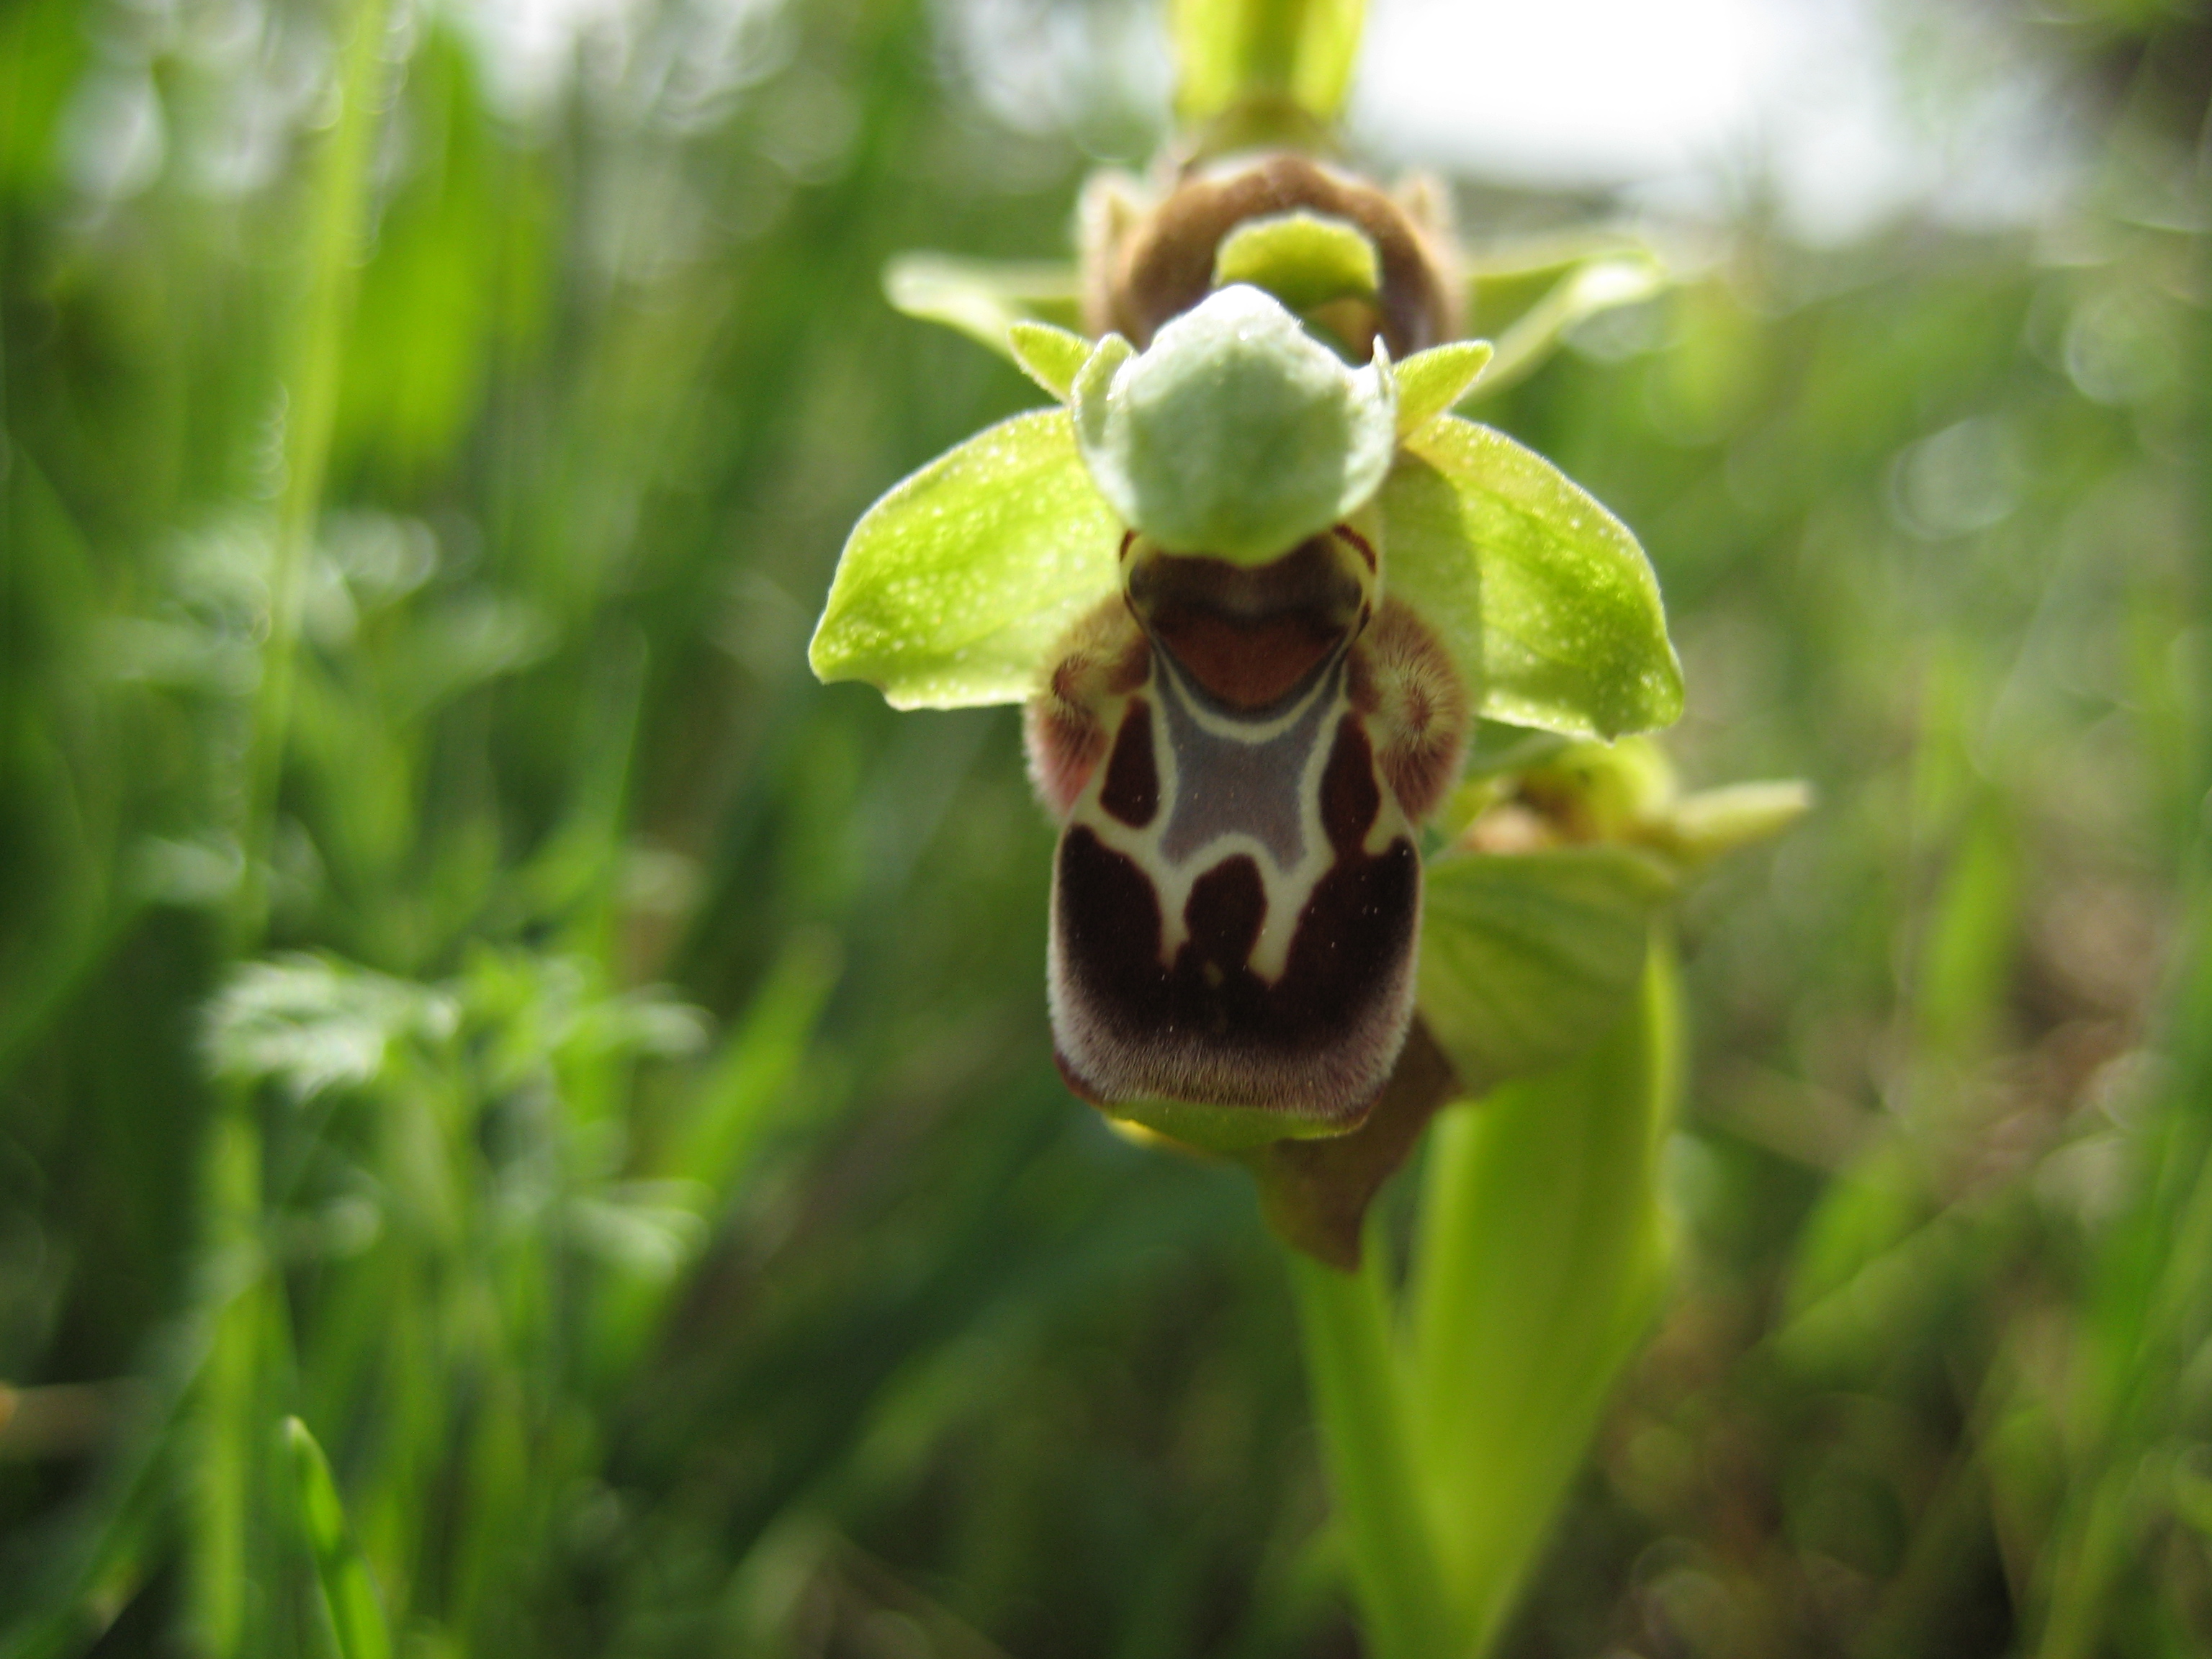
(632, 1147)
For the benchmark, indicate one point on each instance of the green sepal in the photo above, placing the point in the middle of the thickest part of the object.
(954, 587)
(1548, 605)
(1527, 958)
(1304, 258)
(1236, 433)
(983, 299)
(1051, 356)
(1430, 382)
(1587, 289)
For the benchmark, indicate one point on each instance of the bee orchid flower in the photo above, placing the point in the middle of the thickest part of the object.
(1257, 588)
(1334, 697)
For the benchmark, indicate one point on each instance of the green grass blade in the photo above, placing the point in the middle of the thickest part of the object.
(339, 203)
(1351, 1368)
(347, 1592)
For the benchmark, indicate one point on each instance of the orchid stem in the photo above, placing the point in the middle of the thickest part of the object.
(1353, 1366)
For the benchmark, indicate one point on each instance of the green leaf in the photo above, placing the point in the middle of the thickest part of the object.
(355, 1614)
(982, 298)
(1233, 52)
(1539, 1261)
(1546, 602)
(1430, 382)
(1304, 260)
(1236, 433)
(1051, 356)
(1527, 958)
(952, 587)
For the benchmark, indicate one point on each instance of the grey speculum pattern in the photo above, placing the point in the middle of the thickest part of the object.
(1226, 783)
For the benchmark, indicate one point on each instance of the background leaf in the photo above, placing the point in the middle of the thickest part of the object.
(355, 1614)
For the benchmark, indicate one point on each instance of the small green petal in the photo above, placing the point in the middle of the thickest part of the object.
(1051, 356)
(1430, 382)
(1236, 434)
(1527, 958)
(982, 298)
(1546, 601)
(954, 587)
(1304, 260)
(1091, 393)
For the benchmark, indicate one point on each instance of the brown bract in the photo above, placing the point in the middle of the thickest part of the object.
(1315, 1192)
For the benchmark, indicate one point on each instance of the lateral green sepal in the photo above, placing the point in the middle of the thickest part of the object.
(1546, 602)
(952, 588)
